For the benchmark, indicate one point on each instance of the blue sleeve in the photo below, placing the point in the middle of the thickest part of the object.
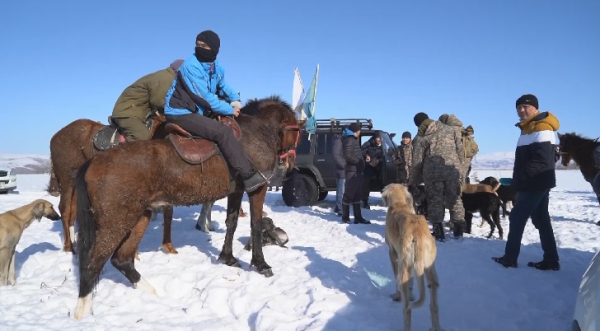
(197, 83)
(225, 91)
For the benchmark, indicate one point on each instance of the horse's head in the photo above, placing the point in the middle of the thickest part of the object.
(279, 114)
(566, 146)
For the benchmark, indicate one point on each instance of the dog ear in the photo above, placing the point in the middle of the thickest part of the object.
(38, 210)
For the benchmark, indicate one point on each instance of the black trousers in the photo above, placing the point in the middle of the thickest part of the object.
(352, 188)
(219, 133)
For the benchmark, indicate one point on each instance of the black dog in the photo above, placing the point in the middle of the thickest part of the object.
(488, 206)
(505, 192)
(271, 235)
(419, 200)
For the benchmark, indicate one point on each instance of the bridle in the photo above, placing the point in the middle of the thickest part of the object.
(290, 151)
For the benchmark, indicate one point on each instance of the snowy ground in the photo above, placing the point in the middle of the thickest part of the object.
(332, 276)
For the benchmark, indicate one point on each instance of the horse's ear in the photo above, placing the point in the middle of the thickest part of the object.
(559, 135)
(302, 124)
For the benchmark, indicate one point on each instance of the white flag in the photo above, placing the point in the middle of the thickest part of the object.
(298, 94)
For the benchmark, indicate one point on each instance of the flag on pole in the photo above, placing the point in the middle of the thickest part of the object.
(309, 105)
(298, 94)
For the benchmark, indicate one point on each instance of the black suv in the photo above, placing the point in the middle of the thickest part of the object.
(314, 175)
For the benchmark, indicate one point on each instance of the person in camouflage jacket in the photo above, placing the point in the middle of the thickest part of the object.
(438, 156)
(140, 99)
(403, 159)
(456, 124)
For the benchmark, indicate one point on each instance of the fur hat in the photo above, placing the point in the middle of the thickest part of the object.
(354, 127)
(406, 134)
(528, 99)
(419, 118)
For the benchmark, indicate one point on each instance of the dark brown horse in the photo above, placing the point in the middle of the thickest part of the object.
(581, 150)
(117, 189)
(70, 148)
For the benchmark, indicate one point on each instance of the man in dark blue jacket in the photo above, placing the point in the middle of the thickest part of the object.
(340, 174)
(355, 165)
(197, 90)
(533, 177)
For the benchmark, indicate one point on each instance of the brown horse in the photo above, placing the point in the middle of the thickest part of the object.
(579, 149)
(70, 148)
(117, 189)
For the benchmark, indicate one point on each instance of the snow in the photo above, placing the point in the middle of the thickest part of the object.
(332, 276)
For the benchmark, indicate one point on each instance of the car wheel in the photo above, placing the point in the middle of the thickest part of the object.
(299, 190)
(322, 195)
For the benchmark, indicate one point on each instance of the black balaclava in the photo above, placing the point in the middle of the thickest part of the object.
(212, 40)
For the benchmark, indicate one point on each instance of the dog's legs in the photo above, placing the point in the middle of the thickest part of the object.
(496, 220)
(432, 280)
(123, 258)
(394, 261)
(487, 218)
(5, 257)
(503, 209)
(405, 275)
(11, 269)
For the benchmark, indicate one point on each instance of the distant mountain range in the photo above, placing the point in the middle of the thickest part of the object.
(39, 163)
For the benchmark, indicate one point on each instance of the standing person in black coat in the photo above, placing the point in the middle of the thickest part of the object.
(339, 169)
(355, 164)
(373, 154)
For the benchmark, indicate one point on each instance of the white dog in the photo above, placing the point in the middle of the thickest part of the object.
(12, 224)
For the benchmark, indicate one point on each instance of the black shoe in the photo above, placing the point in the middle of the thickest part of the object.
(545, 265)
(438, 232)
(504, 262)
(358, 219)
(254, 182)
(458, 229)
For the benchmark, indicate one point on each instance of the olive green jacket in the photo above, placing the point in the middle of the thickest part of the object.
(145, 95)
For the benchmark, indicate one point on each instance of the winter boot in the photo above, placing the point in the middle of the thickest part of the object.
(358, 219)
(505, 262)
(545, 265)
(438, 232)
(458, 230)
(346, 213)
(366, 205)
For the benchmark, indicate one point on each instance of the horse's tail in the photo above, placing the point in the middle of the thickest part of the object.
(53, 187)
(86, 233)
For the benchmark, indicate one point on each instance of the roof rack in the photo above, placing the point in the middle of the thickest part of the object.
(365, 124)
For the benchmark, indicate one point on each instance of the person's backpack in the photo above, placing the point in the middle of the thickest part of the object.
(469, 143)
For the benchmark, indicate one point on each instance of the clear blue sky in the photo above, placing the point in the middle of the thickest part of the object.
(385, 60)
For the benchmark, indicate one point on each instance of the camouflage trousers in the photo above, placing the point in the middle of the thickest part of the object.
(444, 194)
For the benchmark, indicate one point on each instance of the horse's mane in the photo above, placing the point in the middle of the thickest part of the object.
(255, 107)
(581, 139)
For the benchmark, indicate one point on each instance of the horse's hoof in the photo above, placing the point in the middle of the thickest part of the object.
(266, 272)
(229, 261)
(169, 249)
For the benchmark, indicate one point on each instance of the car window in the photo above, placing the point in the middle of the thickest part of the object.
(303, 144)
(388, 144)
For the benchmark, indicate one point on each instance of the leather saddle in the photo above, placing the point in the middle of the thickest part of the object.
(195, 150)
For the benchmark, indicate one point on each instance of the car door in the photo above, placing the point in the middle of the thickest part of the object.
(324, 158)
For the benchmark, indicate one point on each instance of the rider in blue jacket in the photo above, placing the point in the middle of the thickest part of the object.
(196, 90)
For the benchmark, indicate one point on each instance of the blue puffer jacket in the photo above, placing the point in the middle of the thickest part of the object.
(197, 88)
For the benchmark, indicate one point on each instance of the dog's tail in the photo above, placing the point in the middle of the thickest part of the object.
(496, 187)
(86, 234)
(420, 271)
